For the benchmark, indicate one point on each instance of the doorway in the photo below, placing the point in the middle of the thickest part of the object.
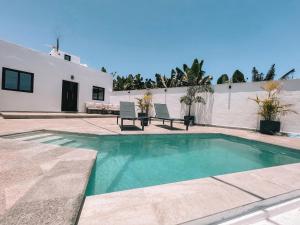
(69, 96)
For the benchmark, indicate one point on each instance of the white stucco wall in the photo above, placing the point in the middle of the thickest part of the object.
(230, 108)
(241, 111)
(48, 72)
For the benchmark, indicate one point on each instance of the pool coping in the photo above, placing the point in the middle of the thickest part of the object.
(229, 213)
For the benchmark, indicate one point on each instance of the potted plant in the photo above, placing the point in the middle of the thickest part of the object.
(190, 98)
(144, 104)
(194, 77)
(270, 108)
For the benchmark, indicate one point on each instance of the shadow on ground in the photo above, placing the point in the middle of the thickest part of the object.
(168, 127)
(130, 128)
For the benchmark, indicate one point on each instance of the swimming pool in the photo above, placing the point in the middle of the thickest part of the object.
(134, 161)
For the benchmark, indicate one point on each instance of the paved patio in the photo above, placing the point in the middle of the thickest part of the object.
(40, 183)
(197, 201)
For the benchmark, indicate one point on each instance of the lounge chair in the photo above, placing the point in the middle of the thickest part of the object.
(127, 112)
(162, 113)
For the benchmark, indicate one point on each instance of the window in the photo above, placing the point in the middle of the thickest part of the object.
(67, 57)
(16, 80)
(98, 93)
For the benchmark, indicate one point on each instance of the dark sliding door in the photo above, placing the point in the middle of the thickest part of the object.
(69, 96)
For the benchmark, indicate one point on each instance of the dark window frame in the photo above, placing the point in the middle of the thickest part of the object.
(67, 57)
(99, 88)
(4, 69)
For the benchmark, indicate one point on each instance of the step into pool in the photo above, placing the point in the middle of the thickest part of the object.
(133, 161)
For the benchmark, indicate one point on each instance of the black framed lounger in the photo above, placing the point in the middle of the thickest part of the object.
(162, 113)
(127, 112)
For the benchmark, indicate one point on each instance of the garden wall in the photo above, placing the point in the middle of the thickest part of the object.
(225, 107)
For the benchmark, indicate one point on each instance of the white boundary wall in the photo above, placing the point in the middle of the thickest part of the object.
(225, 107)
(48, 72)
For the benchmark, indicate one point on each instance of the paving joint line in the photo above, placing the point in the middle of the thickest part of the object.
(100, 127)
(241, 189)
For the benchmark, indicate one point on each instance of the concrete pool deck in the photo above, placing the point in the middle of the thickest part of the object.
(42, 184)
(199, 201)
(191, 202)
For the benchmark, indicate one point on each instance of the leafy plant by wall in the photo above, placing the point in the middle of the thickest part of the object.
(270, 107)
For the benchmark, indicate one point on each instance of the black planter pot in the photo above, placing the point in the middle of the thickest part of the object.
(189, 120)
(269, 127)
(144, 121)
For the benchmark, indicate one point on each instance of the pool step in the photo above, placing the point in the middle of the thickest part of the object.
(74, 144)
(34, 137)
(23, 135)
(47, 139)
(61, 142)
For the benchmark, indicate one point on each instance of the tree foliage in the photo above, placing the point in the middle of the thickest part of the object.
(287, 75)
(271, 74)
(238, 77)
(256, 75)
(187, 76)
(194, 77)
(223, 79)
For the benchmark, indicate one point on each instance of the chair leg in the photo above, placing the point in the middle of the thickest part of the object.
(163, 121)
(142, 126)
(187, 126)
(171, 123)
(121, 124)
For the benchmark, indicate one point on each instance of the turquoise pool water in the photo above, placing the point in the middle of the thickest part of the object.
(133, 161)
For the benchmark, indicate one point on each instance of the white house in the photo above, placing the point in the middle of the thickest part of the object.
(55, 82)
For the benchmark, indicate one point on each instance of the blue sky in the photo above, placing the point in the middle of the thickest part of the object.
(149, 36)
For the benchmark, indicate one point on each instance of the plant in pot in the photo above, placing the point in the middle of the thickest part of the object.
(194, 77)
(270, 108)
(190, 98)
(144, 104)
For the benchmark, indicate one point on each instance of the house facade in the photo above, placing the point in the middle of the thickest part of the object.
(55, 82)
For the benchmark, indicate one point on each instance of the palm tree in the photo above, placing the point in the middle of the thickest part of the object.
(149, 83)
(271, 74)
(138, 82)
(129, 82)
(119, 83)
(186, 76)
(256, 76)
(191, 97)
(194, 76)
(159, 81)
(287, 75)
(197, 82)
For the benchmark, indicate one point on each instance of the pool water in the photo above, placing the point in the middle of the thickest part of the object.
(134, 161)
